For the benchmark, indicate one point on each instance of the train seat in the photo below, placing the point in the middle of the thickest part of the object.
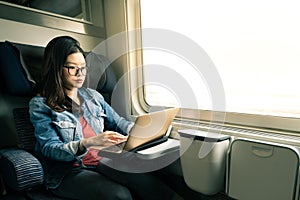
(20, 70)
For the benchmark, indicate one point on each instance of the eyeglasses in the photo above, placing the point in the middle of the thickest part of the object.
(73, 70)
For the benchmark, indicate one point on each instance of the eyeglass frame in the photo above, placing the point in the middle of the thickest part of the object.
(77, 70)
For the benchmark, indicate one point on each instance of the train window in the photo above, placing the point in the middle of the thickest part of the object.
(254, 46)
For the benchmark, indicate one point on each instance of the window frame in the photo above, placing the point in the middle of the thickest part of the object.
(95, 27)
(188, 117)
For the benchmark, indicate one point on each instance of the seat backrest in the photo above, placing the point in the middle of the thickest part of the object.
(20, 70)
(101, 75)
(15, 77)
(25, 129)
(18, 64)
(32, 58)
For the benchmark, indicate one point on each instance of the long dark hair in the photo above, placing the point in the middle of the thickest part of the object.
(51, 85)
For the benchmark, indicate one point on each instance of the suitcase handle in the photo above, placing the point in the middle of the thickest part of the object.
(263, 152)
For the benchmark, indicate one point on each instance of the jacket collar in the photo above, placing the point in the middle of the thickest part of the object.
(85, 94)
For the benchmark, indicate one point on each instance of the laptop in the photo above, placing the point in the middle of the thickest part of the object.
(149, 129)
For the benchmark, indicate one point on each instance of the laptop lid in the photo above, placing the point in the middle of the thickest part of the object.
(149, 127)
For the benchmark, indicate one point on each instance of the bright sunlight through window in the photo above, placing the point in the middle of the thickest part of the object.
(255, 46)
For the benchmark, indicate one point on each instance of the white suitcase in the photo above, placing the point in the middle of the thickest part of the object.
(262, 171)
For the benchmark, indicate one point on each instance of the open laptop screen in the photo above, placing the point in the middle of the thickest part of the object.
(148, 128)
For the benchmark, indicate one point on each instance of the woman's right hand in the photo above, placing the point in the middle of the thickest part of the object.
(104, 139)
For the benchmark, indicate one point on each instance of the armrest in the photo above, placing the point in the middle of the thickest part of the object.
(20, 169)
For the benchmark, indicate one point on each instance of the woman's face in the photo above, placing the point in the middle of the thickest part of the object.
(74, 71)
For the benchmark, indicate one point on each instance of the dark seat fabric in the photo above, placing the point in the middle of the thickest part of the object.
(22, 169)
(33, 58)
(25, 129)
(101, 76)
(14, 76)
(26, 61)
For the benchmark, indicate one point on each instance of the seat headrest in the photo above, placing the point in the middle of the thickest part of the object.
(21, 67)
(14, 74)
(101, 75)
(96, 64)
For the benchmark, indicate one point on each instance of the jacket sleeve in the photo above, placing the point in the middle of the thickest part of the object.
(113, 120)
(48, 140)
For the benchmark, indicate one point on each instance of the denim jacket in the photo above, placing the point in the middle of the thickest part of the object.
(58, 133)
